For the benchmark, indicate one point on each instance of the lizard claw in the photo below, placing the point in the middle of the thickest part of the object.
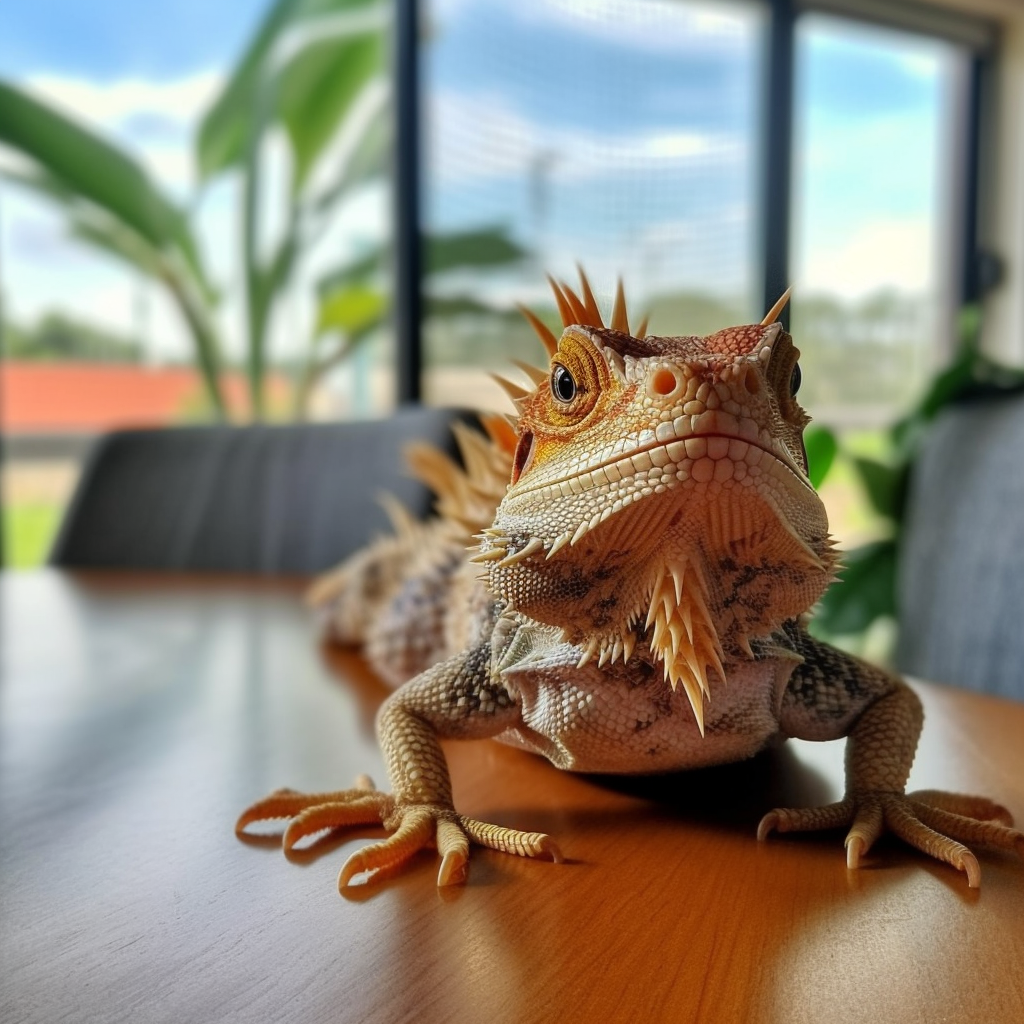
(413, 826)
(931, 821)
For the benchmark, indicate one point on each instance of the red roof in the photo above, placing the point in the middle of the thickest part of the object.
(45, 397)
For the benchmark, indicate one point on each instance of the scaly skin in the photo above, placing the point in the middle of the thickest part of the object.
(648, 572)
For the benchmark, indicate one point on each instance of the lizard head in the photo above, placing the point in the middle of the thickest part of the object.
(659, 493)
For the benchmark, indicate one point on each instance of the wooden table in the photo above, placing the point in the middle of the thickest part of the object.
(139, 715)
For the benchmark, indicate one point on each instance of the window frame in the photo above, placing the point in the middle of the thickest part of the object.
(976, 270)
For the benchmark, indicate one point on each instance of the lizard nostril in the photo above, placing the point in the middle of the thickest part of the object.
(663, 382)
(751, 383)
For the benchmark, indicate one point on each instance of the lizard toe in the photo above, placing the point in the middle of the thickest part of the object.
(510, 840)
(287, 803)
(963, 805)
(923, 820)
(368, 810)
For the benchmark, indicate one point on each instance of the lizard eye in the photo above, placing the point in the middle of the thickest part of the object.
(563, 385)
(794, 380)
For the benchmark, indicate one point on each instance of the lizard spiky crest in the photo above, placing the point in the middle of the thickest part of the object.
(669, 598)
(535, 559)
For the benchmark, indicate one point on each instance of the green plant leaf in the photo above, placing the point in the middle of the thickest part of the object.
(293, 33)
(83, 165)
(367, 159)
(461, 249)
(821, 447)
(884, 485)
(866, 590)
(358, 271)
(350, 310)
(113, 238)
(90, 223)
(89, 166)
(224, 130)
(317, 90)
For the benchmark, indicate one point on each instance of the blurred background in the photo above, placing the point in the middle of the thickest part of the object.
(211, 212)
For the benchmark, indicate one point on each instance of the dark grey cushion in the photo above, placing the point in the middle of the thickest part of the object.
(961, 574)
(265, 499)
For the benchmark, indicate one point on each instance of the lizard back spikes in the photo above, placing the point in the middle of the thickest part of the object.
(548, 340)
(780, 304)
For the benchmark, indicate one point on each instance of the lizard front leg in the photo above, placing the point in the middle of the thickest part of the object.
(456, 699)
(833, 694)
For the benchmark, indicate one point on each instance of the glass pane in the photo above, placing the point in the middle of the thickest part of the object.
(101, 332)
(878, 157)
(616, 134)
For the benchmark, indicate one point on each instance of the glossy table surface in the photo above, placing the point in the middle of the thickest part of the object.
(138, 715)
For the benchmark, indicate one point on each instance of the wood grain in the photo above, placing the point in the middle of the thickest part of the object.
(138, 715)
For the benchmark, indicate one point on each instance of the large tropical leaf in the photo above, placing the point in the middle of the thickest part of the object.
(299, 69)
(350, 310)
(821, 446)
(357, 271)
(114, 238)
(90, 223)
(319, 88)
(865, 591)
(885, 485)
(224, 130)
(459, 250)
(90, 167)
(364, 158)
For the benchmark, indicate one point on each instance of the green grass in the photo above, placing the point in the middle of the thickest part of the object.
(29, 531)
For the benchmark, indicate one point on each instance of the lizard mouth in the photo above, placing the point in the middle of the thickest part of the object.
(677, 451)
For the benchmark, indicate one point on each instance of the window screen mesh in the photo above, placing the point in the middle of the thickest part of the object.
(622, 135)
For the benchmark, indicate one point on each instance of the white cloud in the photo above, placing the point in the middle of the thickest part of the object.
(654, 25)
(880, 254)
(924, 64)
(113, 104)
(153, 120)
(477, 137)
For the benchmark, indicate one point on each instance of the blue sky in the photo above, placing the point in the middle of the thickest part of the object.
(647, 116)
(104, 40)
(643, 115)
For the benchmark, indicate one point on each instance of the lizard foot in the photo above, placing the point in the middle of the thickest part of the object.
(413, 826)
(933, 822)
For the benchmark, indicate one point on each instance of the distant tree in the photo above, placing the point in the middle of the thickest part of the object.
(58, 337)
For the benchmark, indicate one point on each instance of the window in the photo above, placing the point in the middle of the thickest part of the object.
(621, 135)
(878, 191)
(640, 139)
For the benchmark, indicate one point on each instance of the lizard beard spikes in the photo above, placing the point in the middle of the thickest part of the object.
(684, 635)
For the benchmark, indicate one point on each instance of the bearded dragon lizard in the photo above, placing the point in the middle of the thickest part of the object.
(651, 547)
